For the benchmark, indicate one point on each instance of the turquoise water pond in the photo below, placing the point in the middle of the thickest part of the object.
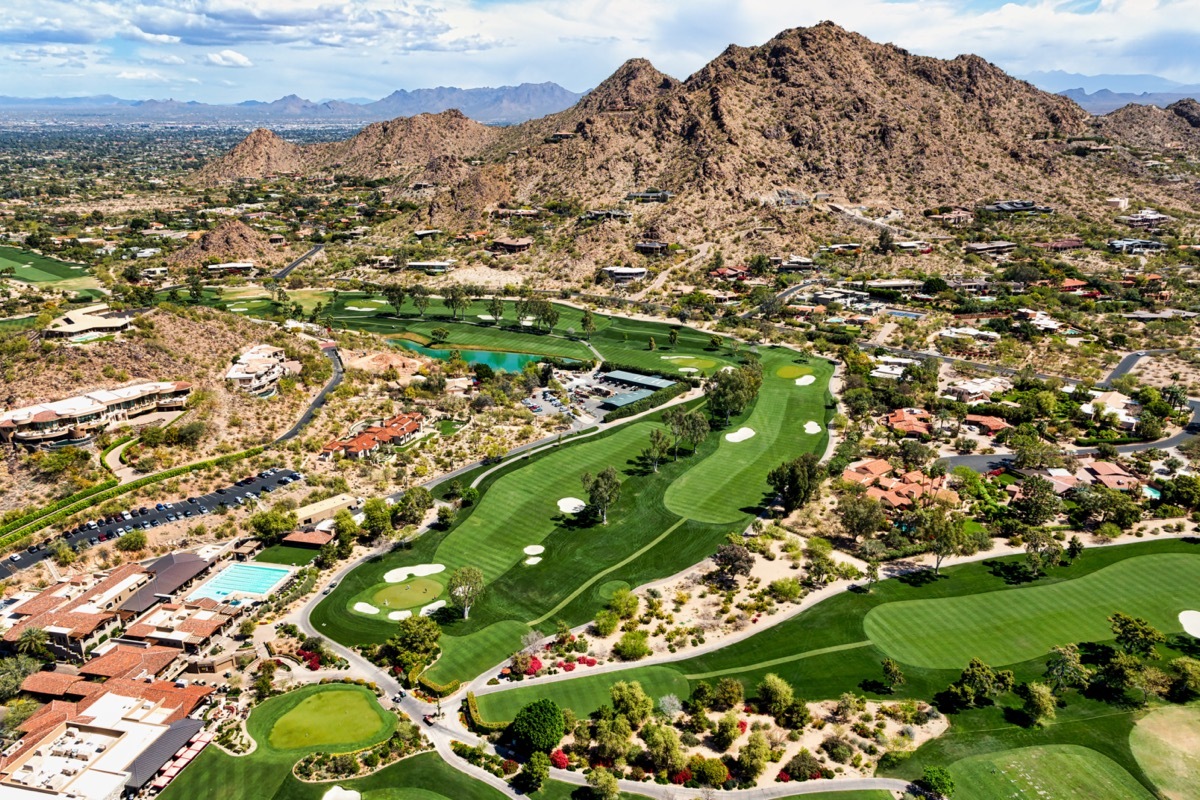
(501, 362)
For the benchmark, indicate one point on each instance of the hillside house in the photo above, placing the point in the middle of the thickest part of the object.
(649, 196)
(258, 370)
(1146, 218)
(650, 248)
(97, 319)
(624, 275)
(956, 218)
(77, 418)
(512, 245)
(1017, 207)
(729, 274)
(993, 248)
(394, 432)
(970, 335)
(1136, 247)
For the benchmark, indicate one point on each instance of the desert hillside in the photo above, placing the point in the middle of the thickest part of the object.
(232, 240)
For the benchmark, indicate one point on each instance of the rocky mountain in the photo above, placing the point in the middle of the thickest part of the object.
(382, 149)
(232, 240)
(1176, 127)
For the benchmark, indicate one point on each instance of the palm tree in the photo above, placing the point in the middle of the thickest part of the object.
(32, 642)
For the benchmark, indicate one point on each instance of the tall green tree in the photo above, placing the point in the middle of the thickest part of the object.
(538, 727)
(377, 517)
(797, 481)
(1135, 635)
(603, 490)
(1037, 502)
(588, 324)
(33, 642)
(1065, 669)
(464, 587)
(656, 451)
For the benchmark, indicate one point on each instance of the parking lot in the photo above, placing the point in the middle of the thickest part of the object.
(99, 530)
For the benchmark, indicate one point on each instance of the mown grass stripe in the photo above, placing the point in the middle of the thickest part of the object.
(774, 662)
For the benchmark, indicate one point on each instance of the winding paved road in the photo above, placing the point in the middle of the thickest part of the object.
(283, 273)
(338, 372)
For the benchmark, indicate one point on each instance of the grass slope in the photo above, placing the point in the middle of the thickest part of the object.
(1058, 772)
(583, 695)
(33, 268)
(287, 554)
(1025, 624)
(704, 493)
(1166, 742)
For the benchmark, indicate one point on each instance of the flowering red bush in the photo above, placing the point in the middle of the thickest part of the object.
(591, 662)
(681, 777)
(742, 725)
(569, 666)
(509, 767)
(312, 660)
(559, 760)
(535, 666)
(783, 777)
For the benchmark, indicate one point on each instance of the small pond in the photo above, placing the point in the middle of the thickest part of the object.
(501, 362)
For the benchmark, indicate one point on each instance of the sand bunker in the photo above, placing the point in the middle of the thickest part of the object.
(805, 380)
(396, 616)
(238, 308)
(811, 427)
(1190, 620)
(688, 369)
(570, 505)
(533, 560)
(338, 793)
(675, 358)
(432, 607)
(359, 308)
(365, 608)
(419, 571)
(727, 369)
(740, 435)
(486, 317)
(534, 550)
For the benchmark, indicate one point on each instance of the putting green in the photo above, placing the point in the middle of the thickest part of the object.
(1054, 772)
(790, 371)
(1015, 625)
(1166, 743)
(717, 489)
(410, 594)
(690, 361)
(335, 716)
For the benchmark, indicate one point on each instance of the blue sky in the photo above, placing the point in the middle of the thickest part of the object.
(228, 50)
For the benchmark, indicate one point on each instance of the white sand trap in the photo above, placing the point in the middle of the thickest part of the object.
(486, 317)
(674, 358)
(533, 560)
(359, 308)
(238, 308)
(338, 793)
(365, 608)
(811, 427)
(1190, 620)
(534, 550)
(570, 505)
(419, 571)
(396, 616)
(526, 323)
(740, 435)
(432, 607)
(688, 369)
(805, 380)
(727, 369)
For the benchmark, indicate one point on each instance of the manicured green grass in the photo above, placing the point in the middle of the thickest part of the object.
(627, 341)
(13, 324)
(1058, 772)
(331, 719)
(409, 594)
(33, 268)
(287, 554)
(718, 489)
(313, 710)
(1166, 743)
(825, 651)
(1024, 624)
(583, 695)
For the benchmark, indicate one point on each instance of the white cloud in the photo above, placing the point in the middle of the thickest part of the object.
(163, 58)
(229, 58)
(140, 75)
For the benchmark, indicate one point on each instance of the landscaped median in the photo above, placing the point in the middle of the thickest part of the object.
(110, 489)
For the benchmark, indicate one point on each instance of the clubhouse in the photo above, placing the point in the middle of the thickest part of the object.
(77, 418)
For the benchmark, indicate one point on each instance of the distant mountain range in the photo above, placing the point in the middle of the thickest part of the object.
(1100, 94)
(1103, 101)
(504, 105)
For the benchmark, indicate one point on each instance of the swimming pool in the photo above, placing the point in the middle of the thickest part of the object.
(908, 314)
(244, 581)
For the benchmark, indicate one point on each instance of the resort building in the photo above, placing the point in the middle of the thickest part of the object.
(97, 319)
(394, 432)
(78, 612)
(107, 745)
(897, 492)
(171, 574)
(326, 509)
(258, 370)
(188, 626)
(77, 418)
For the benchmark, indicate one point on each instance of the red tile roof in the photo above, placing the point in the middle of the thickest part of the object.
(51, 684)
(311, 538)
(125, 661)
